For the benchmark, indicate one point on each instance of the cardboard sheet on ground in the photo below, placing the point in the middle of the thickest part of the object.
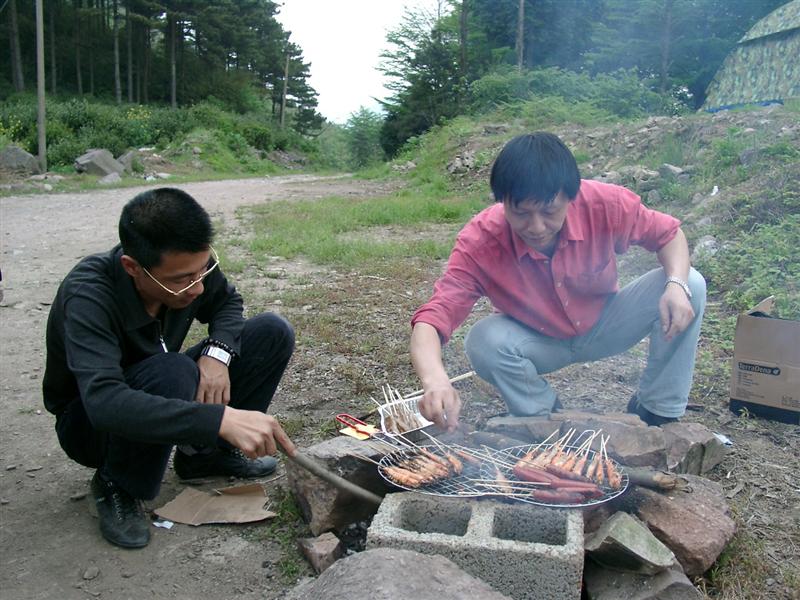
(240, 504)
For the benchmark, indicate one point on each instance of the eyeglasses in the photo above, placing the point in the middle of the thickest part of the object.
(192, 283)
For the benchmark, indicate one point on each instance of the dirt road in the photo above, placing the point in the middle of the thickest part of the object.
(50, 547)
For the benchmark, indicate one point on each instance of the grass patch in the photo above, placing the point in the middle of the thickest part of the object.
(336, 231)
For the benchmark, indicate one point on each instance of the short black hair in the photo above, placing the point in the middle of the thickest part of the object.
(163, 220)
(534, 166)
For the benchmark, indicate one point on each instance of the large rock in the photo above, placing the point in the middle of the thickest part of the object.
(14, 159)
(98, 162)
(532, 429)
(606, 584)
(631, 445)
(692, 448)
(626, 544)
(127, 160)
(392, 574)
(325, 507)
(695, 525)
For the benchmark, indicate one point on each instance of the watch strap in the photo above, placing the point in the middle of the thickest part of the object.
(217, 353)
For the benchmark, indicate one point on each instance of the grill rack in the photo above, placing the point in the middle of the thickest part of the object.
(512, 455)
(472, 482)
(459, 486)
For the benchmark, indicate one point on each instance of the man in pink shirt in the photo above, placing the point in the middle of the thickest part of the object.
(545, 256)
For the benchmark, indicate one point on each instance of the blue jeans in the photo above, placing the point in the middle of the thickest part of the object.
(513, 357)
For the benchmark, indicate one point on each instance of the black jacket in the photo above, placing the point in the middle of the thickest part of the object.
(98, 327)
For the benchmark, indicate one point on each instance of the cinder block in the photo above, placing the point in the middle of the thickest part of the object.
(525, 551)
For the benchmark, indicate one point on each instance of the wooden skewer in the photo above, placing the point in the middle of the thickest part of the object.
(452, 380)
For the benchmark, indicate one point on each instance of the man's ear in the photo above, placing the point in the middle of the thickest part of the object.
(130, 265)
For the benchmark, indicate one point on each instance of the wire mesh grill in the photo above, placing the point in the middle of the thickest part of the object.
(481, 479)
(461, 485)
(507, 458)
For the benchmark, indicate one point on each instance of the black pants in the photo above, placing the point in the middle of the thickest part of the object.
(266, 346)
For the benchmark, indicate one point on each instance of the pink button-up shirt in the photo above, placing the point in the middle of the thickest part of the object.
(562, 296)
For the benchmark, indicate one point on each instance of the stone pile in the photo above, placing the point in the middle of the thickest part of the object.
(643, 545)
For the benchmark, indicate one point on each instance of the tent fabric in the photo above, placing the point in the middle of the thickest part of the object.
(764, 67)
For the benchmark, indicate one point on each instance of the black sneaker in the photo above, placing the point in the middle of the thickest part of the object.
(122, 520)
(222, 461)
(653, 420)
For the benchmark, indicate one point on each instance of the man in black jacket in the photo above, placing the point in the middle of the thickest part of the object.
(123, 392)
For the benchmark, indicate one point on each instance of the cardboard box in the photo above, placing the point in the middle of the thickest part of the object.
(765, 378)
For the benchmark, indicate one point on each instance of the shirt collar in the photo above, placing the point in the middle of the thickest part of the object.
(130, 302)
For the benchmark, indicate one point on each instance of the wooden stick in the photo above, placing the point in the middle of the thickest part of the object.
(453, 380)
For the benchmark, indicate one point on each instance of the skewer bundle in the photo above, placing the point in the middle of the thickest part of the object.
(400, 415)
(572, 474)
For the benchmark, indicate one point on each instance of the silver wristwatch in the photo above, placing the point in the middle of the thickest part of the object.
(681, 283)
(219, 354)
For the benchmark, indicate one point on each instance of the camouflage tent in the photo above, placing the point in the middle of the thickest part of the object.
(765, 65)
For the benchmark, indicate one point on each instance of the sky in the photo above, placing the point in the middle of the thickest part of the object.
(343, 39)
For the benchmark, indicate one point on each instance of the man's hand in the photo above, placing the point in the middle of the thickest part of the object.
(676, 311)
(254, 433)
(215, 383)
(441, 404)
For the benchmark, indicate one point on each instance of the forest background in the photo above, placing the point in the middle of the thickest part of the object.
(225, 76)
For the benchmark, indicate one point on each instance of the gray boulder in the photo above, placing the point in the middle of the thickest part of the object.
(626, 544)
(126, 160)
(605, 584)
(389, 574)
(98, 162)
(14, 159)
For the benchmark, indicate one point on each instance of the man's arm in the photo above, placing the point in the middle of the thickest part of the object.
(440, 402)
(222, 308)
(674, 306)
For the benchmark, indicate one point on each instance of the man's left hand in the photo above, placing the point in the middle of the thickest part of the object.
(676, 311)
(215, 383)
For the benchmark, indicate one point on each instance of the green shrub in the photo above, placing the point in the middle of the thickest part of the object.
(760, 263)
(258, 135)
(621, 93)
(168, 124)
(65, 151)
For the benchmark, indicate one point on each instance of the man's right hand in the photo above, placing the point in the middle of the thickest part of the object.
(254, 433)
(441, 404)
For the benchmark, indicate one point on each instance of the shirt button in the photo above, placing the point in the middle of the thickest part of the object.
(566, 302)
(558, 284)
(577, 323)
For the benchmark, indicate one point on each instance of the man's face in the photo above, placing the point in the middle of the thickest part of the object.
(176, 271)
(536, 223)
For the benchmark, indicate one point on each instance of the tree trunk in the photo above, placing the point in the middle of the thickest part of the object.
(52, 27)
(40, 106)
(78, 78)
(520, 45)
(462, 35)
(285, 89)
(146, 68)
(16, 54)
(173, 84)
(129, 31)
(92, 33)
(115, 33)
(666, 39)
